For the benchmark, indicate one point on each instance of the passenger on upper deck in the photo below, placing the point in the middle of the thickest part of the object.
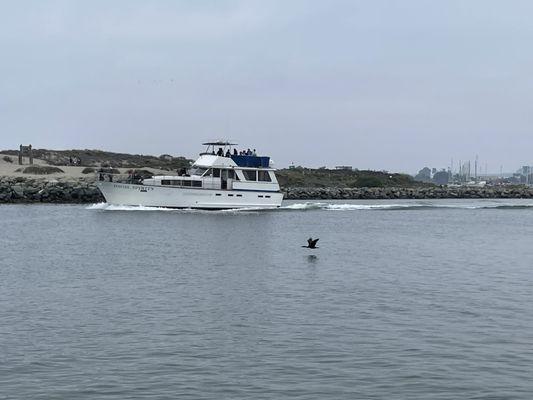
(228, 154)
(235, 153)
(220, 152)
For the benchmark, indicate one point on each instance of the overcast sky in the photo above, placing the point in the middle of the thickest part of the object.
(374, 84)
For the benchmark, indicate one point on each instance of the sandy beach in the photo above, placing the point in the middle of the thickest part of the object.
(70, 172)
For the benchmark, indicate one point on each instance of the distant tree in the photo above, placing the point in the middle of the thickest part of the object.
(424, 175)
(441, 177)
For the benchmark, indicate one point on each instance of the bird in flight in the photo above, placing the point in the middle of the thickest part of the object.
(311, 243)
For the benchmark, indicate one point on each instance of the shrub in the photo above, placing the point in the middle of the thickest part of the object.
(41, 170)
(7, 159)
(369, 181)
(144, 174)
(88, 170)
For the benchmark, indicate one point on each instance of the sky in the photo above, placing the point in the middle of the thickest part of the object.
(375, 84)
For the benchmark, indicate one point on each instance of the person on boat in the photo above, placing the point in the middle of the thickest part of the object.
(228, 154)
(220, 152)
(235, 152)
(254, 153)
(248, 152)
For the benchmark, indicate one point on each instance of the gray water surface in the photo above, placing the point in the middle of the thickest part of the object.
(403, 300)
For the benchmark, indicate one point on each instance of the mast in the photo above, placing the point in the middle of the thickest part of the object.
(475, 170)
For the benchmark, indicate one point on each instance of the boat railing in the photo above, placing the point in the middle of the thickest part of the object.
(105, 176)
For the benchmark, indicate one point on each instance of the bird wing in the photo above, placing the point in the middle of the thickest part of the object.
(314, 241)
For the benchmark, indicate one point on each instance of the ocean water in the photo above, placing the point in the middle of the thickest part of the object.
(402, 300)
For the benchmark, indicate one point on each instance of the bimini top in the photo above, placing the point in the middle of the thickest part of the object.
(219, 143)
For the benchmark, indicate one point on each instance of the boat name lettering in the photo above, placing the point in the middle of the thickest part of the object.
(140, 188)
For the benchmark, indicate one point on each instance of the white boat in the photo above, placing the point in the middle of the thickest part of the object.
(219, 179)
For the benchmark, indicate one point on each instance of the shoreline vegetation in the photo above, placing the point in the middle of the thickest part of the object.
(53, 178)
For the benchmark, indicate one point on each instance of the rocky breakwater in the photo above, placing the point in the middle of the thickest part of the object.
(444, 192)
(83, 190)
(40, 190)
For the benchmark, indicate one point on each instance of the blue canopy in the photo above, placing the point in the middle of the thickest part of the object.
(251, 161)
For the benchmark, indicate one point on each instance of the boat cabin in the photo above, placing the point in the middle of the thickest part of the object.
(221, 167)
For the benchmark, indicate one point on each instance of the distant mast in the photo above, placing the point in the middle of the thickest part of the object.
(475, 170)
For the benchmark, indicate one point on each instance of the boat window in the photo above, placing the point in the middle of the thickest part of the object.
(199, 171)
(216, 173)
(263, 176)
(231, 174)
(165, 182)
(249, 175)
(208, 173)
(239, 195)
(197, 183)
(268, 197)
(186, 183)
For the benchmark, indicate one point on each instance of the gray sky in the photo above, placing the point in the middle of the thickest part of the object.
(372, 83)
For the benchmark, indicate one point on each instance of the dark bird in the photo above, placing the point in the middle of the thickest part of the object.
(311, 244)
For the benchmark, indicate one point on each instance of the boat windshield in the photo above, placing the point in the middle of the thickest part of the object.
(198, 171)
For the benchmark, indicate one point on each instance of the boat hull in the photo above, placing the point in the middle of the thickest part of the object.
(174, 197)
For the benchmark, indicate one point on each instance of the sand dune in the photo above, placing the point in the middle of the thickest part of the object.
(70, 172)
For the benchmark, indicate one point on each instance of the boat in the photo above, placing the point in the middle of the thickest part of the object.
(220, 178)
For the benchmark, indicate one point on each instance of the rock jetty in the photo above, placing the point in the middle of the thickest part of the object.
(83, 190)
(444, 192)
(40, 190)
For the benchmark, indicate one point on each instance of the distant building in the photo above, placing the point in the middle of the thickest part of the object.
(166, 157)
(525, 175)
